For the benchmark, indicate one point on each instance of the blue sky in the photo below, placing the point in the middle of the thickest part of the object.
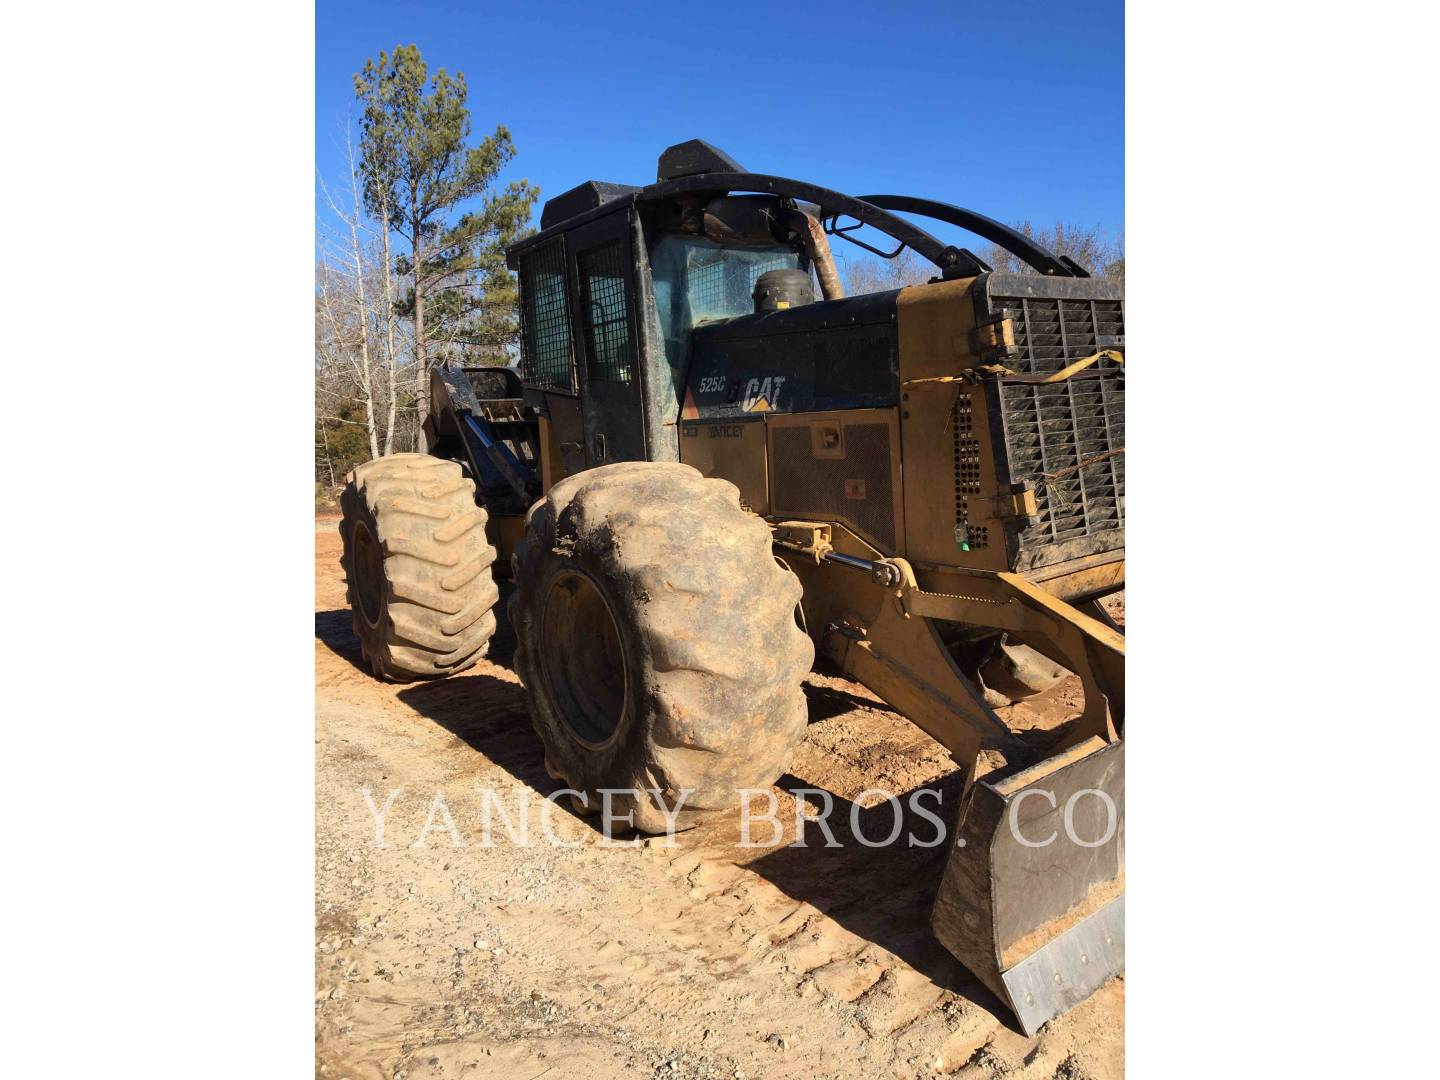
(1014, 109)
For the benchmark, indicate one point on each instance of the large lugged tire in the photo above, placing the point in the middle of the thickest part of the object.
(417, 567)
(657, 642)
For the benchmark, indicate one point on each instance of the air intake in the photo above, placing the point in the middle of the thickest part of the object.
(693, 158)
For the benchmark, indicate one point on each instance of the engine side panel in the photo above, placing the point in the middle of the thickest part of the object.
(841, 467)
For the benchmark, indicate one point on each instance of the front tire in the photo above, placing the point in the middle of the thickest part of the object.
(656, 638)
(417, 567)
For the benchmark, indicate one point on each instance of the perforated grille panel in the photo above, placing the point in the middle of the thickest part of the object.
(856, 489)
(1069, 437)
(546, 359)
(607, 324)
(967, 473)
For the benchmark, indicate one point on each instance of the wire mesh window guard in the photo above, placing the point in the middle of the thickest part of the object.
(606, 316)
(546, 360)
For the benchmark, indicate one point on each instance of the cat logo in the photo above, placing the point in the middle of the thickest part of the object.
(761, 394)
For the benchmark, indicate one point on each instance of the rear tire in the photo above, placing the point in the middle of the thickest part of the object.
(417, 567)
(656, 638)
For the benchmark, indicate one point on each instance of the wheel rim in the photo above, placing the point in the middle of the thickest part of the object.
(369, 572)
(582, 661)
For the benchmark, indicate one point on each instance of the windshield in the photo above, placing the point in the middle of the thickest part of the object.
(698, 280)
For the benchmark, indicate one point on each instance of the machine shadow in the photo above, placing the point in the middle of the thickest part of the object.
(489, 715)
(882, 894)
(827, 701)
(333, 628)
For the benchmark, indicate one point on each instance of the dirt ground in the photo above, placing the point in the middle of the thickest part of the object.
(703, 960)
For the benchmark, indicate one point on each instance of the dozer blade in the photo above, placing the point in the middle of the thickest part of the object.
(1032, 900)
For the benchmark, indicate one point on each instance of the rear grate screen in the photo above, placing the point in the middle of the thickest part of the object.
(607, 325)
(1068, 437)
(1051, 333)
(546, 360)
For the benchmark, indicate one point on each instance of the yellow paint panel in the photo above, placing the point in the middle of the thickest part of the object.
(732, 451)
(945, 432)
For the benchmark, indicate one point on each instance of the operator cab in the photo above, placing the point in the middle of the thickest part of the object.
(614, 287)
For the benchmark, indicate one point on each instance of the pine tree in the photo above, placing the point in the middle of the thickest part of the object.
(416, 170)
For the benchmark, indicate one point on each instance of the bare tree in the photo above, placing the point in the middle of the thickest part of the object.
(359, 334)
(362, 353)
(1101, 253)
(361, 359)
(387, 265)
(863, 272)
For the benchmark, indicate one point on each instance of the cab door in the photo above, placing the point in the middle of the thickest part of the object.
(607, 339)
